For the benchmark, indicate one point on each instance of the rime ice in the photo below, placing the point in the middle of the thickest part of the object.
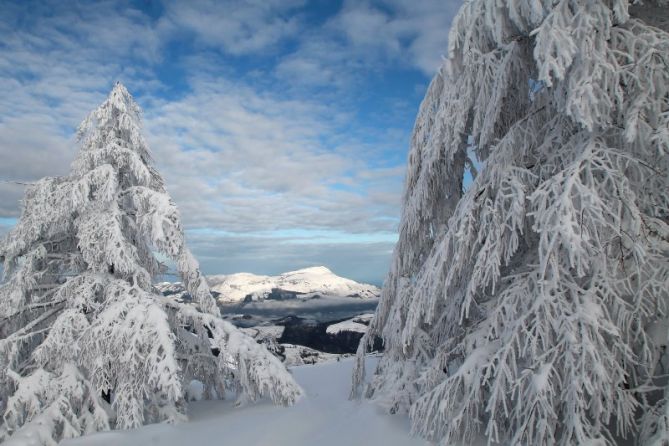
(87, 343)
(522, 308)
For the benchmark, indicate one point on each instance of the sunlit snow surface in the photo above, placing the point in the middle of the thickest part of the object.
(323, 417)
(307, 281)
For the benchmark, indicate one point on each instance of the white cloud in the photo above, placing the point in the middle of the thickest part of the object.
(238, 155)
(367, 35)
(414, 31)
(256, 162)
(368, 27)
(237, 27)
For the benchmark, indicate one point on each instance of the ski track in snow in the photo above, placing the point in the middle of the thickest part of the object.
(323, 417)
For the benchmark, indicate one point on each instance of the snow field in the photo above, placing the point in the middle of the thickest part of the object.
(322, 417)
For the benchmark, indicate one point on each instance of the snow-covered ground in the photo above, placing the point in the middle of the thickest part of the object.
(356, 325)
(262, 332)
(307, 281)
(349, 325)
(299, 355)
(323, 417)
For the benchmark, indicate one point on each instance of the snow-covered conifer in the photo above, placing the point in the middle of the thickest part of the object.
(86, 342)
(531, 308)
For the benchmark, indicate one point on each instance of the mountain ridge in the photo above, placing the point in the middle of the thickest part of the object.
(304, 283)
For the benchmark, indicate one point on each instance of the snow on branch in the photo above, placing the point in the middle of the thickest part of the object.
(532, 307)
(86, 342)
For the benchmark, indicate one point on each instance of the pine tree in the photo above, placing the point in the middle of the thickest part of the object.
(532, 307)
(87, 343)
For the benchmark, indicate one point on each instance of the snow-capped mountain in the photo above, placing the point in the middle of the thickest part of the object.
(303, 283)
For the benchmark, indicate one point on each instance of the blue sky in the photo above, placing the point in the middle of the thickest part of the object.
(281, 126)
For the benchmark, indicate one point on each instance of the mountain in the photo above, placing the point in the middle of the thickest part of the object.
(304, 283)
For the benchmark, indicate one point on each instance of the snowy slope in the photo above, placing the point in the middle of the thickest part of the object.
(349, 325)
(308, 281)
(357, 324)
(324, 417)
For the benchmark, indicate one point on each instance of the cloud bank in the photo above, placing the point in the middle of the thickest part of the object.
(281, 127)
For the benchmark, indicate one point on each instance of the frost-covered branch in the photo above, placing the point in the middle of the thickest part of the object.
(532, 308)
(86, 343)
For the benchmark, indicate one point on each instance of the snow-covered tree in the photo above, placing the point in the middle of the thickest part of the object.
(531, 308)
(86, 342)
